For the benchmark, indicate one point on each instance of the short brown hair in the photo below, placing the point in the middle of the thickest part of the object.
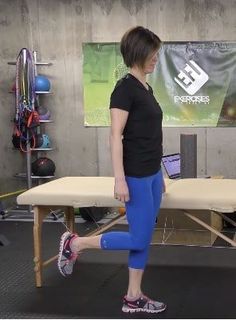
(137, 44)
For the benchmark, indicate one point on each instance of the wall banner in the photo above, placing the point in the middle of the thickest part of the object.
(195, 83)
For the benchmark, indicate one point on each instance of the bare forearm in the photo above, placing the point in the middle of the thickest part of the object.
(117, 156)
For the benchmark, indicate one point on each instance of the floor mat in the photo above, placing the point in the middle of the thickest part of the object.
(194, 282)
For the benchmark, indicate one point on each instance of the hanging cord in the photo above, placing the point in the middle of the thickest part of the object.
(26, 117)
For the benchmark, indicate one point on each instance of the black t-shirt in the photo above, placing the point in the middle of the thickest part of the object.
(142, 136)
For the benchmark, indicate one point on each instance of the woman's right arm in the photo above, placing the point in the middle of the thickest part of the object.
(118, 120)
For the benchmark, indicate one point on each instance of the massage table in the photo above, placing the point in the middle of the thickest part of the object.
(67, 193)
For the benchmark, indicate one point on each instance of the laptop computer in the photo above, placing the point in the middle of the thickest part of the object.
(171, 163)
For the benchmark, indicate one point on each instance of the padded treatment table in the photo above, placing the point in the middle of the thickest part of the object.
(215, 195)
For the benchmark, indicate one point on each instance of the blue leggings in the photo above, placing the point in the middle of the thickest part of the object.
(141, 212)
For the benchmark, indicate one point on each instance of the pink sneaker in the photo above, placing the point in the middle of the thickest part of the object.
(66, 257)
(142, 304)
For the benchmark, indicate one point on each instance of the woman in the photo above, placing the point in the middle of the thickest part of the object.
(136, 149)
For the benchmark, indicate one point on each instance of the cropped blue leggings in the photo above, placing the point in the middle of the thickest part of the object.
(141, 212)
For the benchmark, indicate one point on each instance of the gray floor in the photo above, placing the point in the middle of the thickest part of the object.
(195, 282)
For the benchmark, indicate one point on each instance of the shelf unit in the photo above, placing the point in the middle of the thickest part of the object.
(13, 63)
(45, 121)
(28, 175)
(43, 92)
(41, 149)
(23, 176)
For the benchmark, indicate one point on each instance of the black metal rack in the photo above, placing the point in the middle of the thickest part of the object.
(28, 175)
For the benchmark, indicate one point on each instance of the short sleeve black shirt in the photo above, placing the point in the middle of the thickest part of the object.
(142, 136)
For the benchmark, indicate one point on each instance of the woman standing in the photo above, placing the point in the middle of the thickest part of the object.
(136, 149)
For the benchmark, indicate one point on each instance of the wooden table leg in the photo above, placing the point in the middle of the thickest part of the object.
(39, 214)
(203, 224)
(70, 218)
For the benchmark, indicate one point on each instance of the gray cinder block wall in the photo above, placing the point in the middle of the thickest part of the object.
(56, 30)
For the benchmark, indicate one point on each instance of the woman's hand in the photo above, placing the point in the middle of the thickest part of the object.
(121, 191)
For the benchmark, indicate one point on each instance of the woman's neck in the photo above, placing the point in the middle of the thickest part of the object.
(139, 74)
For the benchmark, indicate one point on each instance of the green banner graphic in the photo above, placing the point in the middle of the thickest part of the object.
(193, 82)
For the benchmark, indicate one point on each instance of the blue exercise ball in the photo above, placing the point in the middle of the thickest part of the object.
(42, 83)
(42, 141)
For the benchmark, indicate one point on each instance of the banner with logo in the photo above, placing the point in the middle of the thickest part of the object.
(193, 82)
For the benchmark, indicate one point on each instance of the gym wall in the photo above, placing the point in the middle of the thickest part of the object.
(56, 29)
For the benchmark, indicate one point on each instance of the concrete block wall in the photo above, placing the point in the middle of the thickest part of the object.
(56, 29)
